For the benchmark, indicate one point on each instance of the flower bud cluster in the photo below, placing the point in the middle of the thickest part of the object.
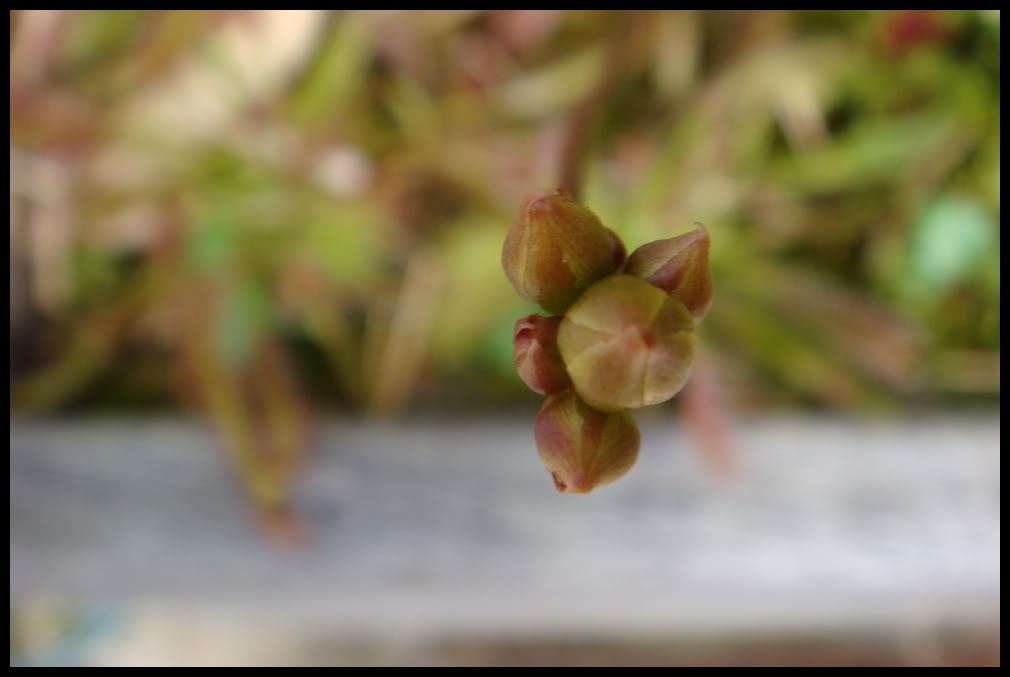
(621, 334)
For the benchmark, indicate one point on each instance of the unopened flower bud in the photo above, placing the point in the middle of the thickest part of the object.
(627, 344)
(584, 448)
(679, 266)
(556, 250)
(535, 345)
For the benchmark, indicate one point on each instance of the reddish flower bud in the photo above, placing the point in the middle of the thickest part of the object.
(627, 344)
(679, 266)
(538, 361)
(556, 250)
(584, 448)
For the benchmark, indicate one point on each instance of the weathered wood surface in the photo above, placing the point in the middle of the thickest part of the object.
(454, 527)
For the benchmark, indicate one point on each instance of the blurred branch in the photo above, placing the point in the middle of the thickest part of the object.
(585, 117)
(396, 366)
(258, 413)
(705, 414)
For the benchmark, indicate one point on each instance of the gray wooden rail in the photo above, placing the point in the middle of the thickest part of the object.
(452, 528)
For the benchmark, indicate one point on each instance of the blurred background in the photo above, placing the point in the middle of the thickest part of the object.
(260, 337)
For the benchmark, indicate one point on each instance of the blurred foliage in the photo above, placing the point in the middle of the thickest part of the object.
(251, 211)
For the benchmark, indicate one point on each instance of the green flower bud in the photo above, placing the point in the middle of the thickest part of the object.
(679, 266)
(535, 345)
(556, 250)
(627, 344)
(584, 448)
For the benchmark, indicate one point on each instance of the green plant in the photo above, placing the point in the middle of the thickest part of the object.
(193, 215)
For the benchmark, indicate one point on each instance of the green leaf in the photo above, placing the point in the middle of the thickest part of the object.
(951, 238)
